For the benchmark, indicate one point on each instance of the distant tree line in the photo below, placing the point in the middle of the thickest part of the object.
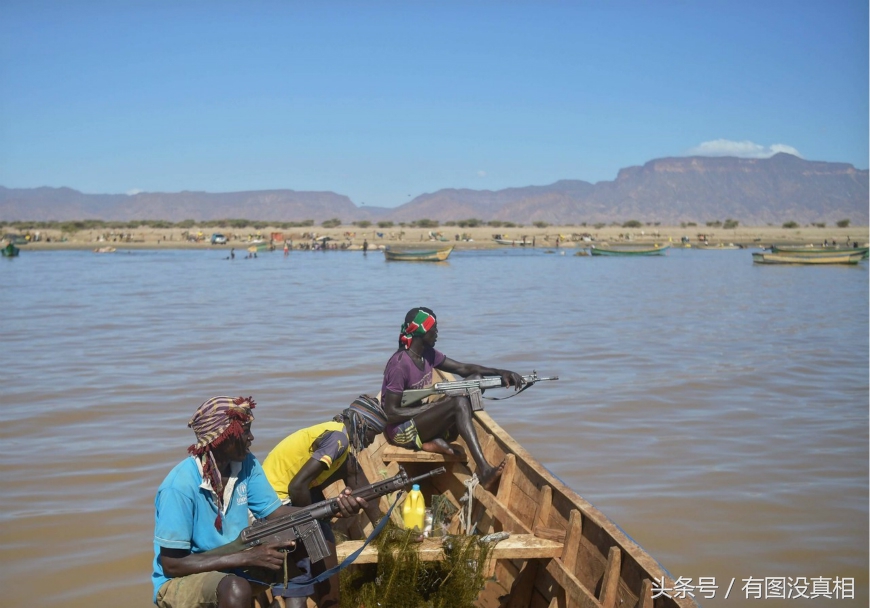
(71, 226)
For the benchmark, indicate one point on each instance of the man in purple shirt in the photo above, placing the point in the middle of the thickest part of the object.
(431, 426)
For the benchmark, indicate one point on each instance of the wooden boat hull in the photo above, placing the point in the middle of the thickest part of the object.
(562, 551)
(783, 258)
(417, 255)
(628, 251)
(820, 251)
(513, 243)
(718, 247)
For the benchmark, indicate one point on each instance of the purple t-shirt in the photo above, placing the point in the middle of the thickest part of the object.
(401, 373)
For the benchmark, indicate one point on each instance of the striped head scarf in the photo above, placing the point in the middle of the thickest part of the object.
(417, 322)
(217, 420)
(363, 414)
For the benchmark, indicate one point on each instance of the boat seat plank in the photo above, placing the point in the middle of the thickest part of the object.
(517, 546)
(394, 453)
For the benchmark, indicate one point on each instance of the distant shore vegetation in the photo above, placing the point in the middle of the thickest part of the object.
(73, 226)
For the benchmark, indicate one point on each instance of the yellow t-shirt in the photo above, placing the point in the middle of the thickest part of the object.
(287, 459)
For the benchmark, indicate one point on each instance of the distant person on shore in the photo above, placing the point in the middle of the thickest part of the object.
(309, 460)
(233, 253)
(430, 426)
(203, 504)
(365, 246)
(286, 249)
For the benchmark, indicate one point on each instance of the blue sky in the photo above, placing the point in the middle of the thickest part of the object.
(383, 101)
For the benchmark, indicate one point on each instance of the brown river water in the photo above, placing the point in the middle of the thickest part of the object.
(715, 410)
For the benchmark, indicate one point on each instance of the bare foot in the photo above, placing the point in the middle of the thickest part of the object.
(439, 446)
(490, 476)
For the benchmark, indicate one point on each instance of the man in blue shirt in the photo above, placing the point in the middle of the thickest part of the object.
(203, 504)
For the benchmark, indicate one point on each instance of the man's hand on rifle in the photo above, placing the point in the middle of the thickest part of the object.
(266, 556)
(509, 378)
(349, 505)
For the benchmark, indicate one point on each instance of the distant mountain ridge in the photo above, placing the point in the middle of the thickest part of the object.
(667, 190)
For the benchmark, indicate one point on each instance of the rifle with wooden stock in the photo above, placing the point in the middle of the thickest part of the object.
(468, 388)
(303, 526)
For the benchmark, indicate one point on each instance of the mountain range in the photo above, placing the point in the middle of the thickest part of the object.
(698, 189)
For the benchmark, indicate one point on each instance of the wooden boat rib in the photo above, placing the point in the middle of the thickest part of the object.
(636, 250)
(438, 254)
(783, 258)
(562, 551)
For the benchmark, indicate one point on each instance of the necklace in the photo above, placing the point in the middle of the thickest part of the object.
(410, 352)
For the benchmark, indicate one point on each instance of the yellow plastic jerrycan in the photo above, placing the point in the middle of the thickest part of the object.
(414, 509)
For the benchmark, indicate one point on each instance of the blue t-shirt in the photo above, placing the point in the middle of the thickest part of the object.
(185, 509)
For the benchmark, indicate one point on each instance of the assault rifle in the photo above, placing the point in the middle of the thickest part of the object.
(303, 526)
(468, 388)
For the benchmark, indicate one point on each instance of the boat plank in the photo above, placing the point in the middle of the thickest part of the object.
(501, 512)
(523, 588)
(396, 454)
(517, 546)
(575, 593)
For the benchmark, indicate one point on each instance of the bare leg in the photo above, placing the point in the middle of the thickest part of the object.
(433, 423)
(234, 592)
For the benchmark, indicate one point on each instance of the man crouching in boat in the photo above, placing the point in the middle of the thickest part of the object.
(203, 504)
(429, 427)
(309, 460)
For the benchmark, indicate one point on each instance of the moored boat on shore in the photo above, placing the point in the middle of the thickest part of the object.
(788, 258)
(417, 254)
(629, 250)
(810, 250)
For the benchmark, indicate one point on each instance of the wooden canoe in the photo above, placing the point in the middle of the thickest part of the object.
(788, 258)
(718, 247)
(635, 250)
(820, 251)
(410, 254)
(562, 552)
(514, 242)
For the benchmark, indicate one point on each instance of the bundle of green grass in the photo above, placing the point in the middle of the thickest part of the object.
(401, 580)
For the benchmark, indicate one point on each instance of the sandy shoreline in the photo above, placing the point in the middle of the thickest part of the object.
(351, 237)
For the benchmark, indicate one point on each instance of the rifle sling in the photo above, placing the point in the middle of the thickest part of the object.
(525, 386)
(348, 560)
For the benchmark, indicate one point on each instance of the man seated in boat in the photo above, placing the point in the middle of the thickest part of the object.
(203, 504)
(431, 426)
(309, 460)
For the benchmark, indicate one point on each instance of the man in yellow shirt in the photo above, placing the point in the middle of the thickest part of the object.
(309, 460)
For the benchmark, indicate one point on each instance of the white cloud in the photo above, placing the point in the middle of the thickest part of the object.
(481, 173)
(133, 192)
(742, 149)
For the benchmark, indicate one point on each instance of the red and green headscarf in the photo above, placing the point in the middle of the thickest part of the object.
(421, 323)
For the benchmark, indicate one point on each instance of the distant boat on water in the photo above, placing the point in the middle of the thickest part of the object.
(417, 254)
(717, 246)
(513, 242)
(808, 250)
(629, 250)
(105, 250)
(788, 258)
(10, 251)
